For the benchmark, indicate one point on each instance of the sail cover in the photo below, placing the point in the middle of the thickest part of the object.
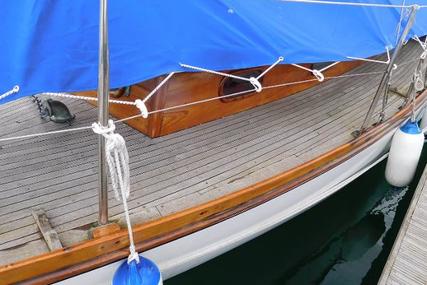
(52, 45)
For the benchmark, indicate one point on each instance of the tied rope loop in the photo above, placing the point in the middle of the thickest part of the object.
(117, 159)
(118, 164)
(256, 84)
(142, 108)
(14, 90)
(319, 75)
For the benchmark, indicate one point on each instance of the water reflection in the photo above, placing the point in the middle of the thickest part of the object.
(343, 240)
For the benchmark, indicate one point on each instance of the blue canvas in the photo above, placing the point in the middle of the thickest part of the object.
(52, 45)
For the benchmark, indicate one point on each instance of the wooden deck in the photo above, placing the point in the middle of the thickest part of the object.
(407, 262)
(58, 173)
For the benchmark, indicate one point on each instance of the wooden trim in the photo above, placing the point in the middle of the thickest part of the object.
(91, 254)
(157, 102)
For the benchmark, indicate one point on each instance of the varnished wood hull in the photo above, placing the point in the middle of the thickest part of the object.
(184, 88)
(215, 226)
(189, 251)
(324, 163)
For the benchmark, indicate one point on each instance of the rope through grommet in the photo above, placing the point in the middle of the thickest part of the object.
(317, 73)
(375, 60)
(117, 158)
(253, 80)
(140, 104)
(423, 46)
(14, 90)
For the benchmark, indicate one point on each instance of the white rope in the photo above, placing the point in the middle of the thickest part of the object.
(280, 59)
(317, 73)
(253, 80)
(87, 98)
(360, 4)
(399, 24)
(117, 157)
(375, 60)
(186, 105)
(45, 134)
(248, 91)
(423, 46)
(14, 90)
(140, 104)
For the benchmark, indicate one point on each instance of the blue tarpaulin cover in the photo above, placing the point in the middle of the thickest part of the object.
(52, 45)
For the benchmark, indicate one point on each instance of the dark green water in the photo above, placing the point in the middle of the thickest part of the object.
(343, 240)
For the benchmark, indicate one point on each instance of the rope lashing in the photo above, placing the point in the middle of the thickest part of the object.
(376, 60)
(418, 81)
(256, 84)
(317, 73)
(86, 98)
(117, 157)
(14, 90)
(29, 136)
(253, 80)
(357, 4)
(140, 104)
(423, 46)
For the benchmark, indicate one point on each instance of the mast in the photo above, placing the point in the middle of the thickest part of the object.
(103, 93)
(386, 76)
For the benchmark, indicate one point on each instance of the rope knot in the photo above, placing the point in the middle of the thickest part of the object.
(319, 75)
(104, 130)
(418, 82)
(117, 158)
(142, 108)
(256, 84)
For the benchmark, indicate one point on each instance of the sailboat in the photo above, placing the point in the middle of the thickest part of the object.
(225, 119)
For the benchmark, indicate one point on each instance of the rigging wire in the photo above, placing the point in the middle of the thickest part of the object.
(360, 4)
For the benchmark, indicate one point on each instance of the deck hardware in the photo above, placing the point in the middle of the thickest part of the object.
(103, 96)
(53, 110)
(317, 73)
(49, 234)
(387, 73)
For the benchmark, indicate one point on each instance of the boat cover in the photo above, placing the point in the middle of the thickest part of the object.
(52, 45)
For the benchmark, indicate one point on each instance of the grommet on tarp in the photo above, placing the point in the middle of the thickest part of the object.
(144, 272)
(14, 90)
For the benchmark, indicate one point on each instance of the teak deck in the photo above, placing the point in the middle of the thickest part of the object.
(175, 172)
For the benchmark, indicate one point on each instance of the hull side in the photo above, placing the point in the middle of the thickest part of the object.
(187, 252)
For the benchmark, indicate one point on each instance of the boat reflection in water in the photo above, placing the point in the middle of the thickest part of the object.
(343, 240)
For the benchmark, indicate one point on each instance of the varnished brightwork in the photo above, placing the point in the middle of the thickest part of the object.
(64, 263)
(187, 87)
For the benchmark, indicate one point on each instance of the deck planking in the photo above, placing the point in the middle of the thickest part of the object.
(407, 262)
(171, 173)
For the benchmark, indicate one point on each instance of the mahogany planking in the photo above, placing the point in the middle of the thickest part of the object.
(190, 87)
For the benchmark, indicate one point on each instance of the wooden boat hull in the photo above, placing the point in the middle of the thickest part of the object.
(189, 251)
(184, 88)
